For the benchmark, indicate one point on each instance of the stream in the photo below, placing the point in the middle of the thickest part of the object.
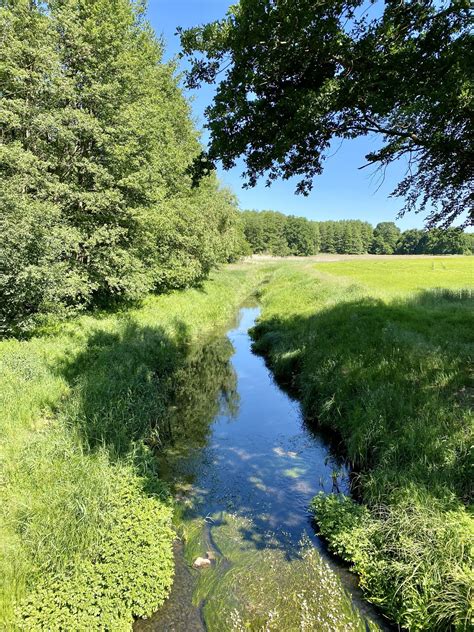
(244, 466)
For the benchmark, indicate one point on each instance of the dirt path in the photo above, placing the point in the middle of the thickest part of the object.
(325, 257)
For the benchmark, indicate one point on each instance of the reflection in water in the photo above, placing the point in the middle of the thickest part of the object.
(204, 388)
(257, 458)
(242, 458)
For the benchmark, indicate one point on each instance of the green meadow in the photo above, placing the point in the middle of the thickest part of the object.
(378, 352)
(406, 274)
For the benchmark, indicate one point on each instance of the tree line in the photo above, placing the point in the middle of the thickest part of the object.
(274, 233)
(96, 142)
(99, 197)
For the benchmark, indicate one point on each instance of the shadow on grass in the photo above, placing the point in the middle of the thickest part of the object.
(391, 380)
(138, 386)
(387, 379)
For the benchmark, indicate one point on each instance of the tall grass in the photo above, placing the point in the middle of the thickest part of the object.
(389, 374)
(85, 531)
(85, 525)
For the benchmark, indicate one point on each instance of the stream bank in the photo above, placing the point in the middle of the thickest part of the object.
(244, 466)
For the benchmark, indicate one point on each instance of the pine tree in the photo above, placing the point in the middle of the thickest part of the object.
(352, 239)
(316, 237)
(367, 233)
(299, 236)
(330, 245)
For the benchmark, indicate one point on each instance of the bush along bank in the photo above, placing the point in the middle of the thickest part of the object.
(85, 524)
(390, 379)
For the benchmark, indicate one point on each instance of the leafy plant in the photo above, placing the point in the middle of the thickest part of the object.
(413, 559)
(129, 575)
(293, 76)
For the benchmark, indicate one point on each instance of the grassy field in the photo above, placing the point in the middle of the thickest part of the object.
(379, 352)
(381, 356)
(402, 275)
(85, 524)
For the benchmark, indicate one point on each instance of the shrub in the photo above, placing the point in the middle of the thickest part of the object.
(107, 592)
(408, 556)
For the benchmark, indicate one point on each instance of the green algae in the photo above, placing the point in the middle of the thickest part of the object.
(256, 584)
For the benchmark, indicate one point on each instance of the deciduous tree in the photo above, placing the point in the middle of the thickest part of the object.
(292, 75)
(96, 144)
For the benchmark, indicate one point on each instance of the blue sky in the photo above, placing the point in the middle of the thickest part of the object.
(342, 192)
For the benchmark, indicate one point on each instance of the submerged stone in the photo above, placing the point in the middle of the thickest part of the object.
(201, 562)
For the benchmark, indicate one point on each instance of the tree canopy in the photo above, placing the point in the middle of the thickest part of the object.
(293, 75)
(96, 143)
(386, 235)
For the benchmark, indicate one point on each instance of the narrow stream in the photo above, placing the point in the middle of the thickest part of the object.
(244, 467)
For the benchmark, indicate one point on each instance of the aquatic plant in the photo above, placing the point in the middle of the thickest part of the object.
(268, 587)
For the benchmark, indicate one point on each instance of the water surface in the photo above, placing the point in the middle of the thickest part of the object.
(244, 466)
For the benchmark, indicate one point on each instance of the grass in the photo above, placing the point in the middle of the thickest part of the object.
(379, 352)
(402, 275)
(388, 372)
(85, 525)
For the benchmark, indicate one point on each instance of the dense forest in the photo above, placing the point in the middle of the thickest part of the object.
(278, 234)
(96, 198)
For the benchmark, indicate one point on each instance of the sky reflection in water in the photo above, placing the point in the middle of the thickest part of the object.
(259, 459)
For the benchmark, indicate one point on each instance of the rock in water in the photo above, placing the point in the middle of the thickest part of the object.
(201, 562)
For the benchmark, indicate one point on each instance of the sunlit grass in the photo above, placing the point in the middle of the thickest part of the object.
(393, 276)
(377, 356)
(386, 367)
